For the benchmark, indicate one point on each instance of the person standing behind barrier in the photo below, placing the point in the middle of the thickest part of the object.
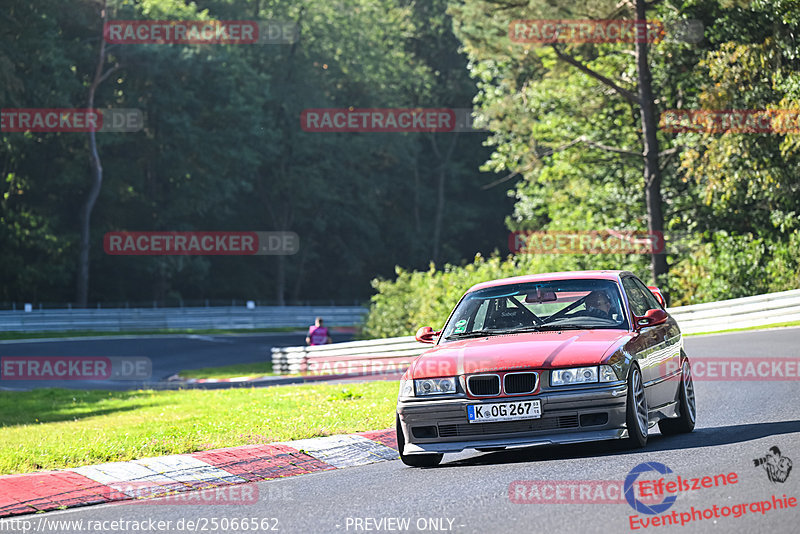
(317, 334)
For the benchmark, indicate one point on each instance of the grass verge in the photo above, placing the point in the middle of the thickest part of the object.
(230, 371)
(776, 325)
(57, 428)
(93, 333)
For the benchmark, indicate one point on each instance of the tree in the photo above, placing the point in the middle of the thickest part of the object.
(483, 44)
(101, 73)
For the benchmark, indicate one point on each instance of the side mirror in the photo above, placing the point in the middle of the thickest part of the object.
(426, 334)
(652, 318)
(658, 294)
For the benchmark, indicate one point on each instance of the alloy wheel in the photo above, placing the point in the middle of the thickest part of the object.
(641, 402)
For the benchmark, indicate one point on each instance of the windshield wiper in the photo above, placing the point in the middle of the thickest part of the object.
(556, 326)
(539, 328)
(474, 333)
(523, 329)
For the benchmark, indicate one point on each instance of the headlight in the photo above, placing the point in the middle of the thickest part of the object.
(435, 386)
(406, 389)
(576, 375)
(582, 375)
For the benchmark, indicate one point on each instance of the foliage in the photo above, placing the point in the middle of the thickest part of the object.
(222, 149)
(425, 298)
(732, 266)
(732, 197)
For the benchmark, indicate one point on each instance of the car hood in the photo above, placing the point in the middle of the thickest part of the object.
(566, 348)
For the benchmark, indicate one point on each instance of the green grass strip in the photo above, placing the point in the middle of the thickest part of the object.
(230, 371)
(57, 428)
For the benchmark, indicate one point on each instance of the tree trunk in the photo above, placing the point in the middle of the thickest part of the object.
(86, 215)
(440, 196)
(417, 223)
(652, 171)
(281, 209)
(280, 281)
(82, 290)
(439, 215)
(298, 283)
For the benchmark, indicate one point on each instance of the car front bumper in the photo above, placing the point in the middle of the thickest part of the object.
(589, 414)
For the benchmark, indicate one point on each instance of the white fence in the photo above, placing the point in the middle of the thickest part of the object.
(221, 317)
(759, 310)
(371, 356)
(380, 355)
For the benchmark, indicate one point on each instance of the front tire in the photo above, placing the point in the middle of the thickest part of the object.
(414, 460)
(636, 412)
(687, 406)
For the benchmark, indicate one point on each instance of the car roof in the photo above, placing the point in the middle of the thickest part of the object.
(546, 277)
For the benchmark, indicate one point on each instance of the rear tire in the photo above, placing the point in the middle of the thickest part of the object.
(687, 406)
(414, 460)
(636, 413)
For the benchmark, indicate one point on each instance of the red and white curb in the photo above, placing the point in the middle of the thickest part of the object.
(208, 471)
(345, 451)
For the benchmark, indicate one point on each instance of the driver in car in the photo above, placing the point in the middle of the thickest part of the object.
(599, 305)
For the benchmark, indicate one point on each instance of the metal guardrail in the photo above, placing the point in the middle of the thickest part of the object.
(123, 319)
(371, 356)
(381, 355)
(758, 310)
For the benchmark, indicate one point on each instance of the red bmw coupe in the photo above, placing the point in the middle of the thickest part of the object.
(546, 359)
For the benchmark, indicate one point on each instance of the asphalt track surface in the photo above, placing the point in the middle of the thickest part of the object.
(167, 355)
(738, 421)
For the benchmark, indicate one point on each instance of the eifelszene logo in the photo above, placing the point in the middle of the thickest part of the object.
(630, 496)
(669, 488)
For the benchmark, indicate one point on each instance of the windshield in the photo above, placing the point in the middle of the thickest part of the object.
(535, 306)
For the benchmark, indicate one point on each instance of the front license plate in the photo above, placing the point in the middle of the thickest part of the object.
(504, 411)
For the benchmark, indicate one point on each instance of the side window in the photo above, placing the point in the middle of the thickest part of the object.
(652, 301)
(636, 296)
